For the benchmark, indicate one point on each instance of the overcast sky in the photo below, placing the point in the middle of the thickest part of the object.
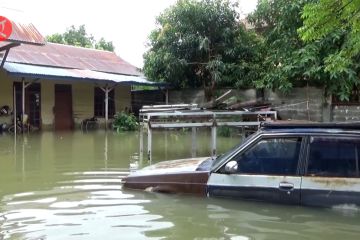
(125, 22)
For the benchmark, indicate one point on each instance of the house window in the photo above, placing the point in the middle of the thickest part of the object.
(99, 103)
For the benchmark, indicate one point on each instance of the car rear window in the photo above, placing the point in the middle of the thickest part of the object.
(334, 157)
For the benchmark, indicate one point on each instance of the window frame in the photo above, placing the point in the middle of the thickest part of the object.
(307, 150)
(300, 164)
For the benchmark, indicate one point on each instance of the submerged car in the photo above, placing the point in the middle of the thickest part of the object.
(303, 164)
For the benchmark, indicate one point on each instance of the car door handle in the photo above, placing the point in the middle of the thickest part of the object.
(286, 186)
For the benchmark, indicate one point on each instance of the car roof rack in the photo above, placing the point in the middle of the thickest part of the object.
(323, 125)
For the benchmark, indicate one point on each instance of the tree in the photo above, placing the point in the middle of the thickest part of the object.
(288, 61)
(201, 43)
(324, 17)
(102, 44)
(79, 37)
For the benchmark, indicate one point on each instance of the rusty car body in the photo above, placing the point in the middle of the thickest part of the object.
(303, 164)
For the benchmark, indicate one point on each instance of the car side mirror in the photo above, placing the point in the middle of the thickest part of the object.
(231, 167)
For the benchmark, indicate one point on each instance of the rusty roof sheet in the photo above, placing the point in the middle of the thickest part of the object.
(64, 56)
(26, 33)
(23, 31)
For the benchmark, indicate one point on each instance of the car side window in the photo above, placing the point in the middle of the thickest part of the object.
(333, 157)
(271, 156)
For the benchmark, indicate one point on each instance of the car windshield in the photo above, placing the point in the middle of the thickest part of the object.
(220, 158)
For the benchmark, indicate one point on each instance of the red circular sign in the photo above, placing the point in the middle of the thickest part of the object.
(5, 28)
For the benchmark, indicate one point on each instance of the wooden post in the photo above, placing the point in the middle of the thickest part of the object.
(149, 143)
(193, 141)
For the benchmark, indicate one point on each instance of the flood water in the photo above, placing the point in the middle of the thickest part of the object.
(67, 186)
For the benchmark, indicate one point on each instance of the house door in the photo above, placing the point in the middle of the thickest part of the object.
(63, 107)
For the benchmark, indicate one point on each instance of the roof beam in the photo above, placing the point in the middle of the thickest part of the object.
(7, 48)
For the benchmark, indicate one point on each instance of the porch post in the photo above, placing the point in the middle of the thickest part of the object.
(106, 91)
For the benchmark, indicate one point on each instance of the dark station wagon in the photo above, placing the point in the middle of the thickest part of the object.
(302, 164)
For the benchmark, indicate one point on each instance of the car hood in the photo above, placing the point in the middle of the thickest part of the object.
(175, 166)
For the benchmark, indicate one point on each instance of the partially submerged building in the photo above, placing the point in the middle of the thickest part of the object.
(59, 86)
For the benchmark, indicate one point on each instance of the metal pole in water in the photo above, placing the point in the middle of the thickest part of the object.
(141, 143)
(193, 142)
(149, 143)
(213, 141)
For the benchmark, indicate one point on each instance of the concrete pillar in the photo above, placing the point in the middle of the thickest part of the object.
(327, 109)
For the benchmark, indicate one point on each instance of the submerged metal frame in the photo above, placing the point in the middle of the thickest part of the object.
(149, 123)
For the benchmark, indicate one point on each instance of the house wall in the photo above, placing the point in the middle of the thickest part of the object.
(299, 103)
(122, 98)
(47, 104)
(6, 90)
(83, 101)
(346, 113)
(6, 96)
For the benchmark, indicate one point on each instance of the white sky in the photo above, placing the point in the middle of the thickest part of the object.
(125, 22)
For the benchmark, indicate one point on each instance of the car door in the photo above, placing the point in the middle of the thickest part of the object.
(332, 174)
(268, 169)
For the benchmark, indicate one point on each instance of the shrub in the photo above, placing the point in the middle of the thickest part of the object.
(224, 131)
(125, 122)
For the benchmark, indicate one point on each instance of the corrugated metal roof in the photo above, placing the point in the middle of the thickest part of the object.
(53, 73)
(65, 56)
(23, 31)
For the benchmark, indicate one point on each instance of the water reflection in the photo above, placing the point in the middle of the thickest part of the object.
(68, 185)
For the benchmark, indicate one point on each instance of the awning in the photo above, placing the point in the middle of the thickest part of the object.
(78, 75)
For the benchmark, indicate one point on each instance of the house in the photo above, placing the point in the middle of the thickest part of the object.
(59, 86)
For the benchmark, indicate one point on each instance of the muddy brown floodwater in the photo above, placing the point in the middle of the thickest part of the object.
(67, 186)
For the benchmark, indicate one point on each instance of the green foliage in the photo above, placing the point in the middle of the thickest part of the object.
(202, 44)
(224, 131)
(125, 122)
(322, 19)
(289, 62)
(102, 44)
(79, 37)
